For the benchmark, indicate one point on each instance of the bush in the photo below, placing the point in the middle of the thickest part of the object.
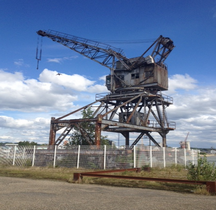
(203, 171)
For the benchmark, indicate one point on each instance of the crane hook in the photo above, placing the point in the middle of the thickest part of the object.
(39, 51)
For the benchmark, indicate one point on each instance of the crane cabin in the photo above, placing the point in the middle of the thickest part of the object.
(138, 73)
(148, 75)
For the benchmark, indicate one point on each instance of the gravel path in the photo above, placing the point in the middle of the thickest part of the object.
(17, 193)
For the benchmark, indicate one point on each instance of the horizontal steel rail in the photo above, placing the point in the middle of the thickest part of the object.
(210, 185)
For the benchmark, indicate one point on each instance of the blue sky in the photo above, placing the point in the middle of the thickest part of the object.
(29, 97)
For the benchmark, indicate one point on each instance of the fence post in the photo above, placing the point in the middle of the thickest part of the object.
(175, 156)
(14, 155)
(164, 159)
(78, 156)
(33, 158)
(198, 156)
(23, 156)
(150, 155)
(185, 158)
(54, 156)
(135, 157)
(104, 156)
(192, 156)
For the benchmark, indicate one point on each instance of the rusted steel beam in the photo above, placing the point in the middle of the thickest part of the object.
(84, 107)
(122, 104)
(210, 185)
(126, 134)
(77, 176)
(96, 111)
(161, 122)
(63, 135)
(98, 130)
(152, 139)
(144, 178)
(155, 116)
(52, 135)
(134, 109)
(114, 171)
(71, 121)
(84, 134)
(137, 140)
(115, 123)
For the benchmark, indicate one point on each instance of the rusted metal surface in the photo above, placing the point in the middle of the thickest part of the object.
(147, 76)
(210, 185)
(52, 135)
(76, 111)
(98, 130)
(133, 127)
(123, 104)
(114, 171)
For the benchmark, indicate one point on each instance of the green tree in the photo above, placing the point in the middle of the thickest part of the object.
(78, 139)
(26, 143)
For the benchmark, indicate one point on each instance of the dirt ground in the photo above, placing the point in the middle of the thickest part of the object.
(17, 193)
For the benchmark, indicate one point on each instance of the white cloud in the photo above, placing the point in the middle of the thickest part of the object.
(54, 60)
(60, 60)
(103, 78)
(193, 111)
(15, 130)
(31, 95)
(184, 82)
(9, 122)
(75, 82)
(6, 76)
(20, 62)
(50, 92)
(97, 89)
(198, 103)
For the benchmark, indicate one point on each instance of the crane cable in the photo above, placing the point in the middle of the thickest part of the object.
(39, 50)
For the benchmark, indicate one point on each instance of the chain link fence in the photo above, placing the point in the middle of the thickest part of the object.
(93, 157)
(13, 155)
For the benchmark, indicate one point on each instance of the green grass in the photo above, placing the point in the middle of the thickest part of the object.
(62, 174)
(66, 174)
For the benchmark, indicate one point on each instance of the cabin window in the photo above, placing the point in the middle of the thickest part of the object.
(135, 76)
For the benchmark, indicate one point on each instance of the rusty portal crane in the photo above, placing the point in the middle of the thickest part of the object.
(135, 102)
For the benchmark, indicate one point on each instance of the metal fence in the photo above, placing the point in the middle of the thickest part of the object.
(93, 157)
